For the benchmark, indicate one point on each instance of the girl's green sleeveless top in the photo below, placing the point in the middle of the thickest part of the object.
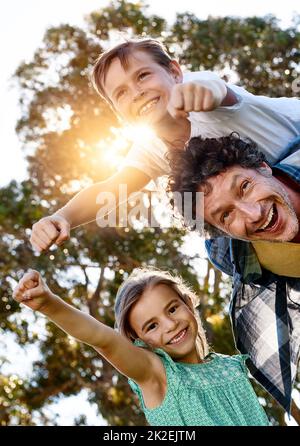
(216, 392)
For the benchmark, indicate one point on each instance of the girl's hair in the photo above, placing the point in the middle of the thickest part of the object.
(142, 279)
(122, 52)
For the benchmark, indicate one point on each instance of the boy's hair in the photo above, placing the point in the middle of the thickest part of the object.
(122, 51)
(142, 279)
(205, 158)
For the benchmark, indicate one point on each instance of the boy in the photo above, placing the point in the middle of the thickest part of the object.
(144, 85)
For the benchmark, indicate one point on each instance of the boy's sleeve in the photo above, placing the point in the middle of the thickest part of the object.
(193, 76)
(210, 75)
(270, 122)
(149, 157)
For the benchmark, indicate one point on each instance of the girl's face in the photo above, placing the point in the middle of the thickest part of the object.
(162, 320)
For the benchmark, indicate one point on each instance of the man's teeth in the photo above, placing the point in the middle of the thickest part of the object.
(178, 338)
(267, 222)
(146, 107)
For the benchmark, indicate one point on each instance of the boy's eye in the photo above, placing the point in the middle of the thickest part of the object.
(142, 75)
(120, 94)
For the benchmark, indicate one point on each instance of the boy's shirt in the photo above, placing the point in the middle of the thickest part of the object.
(271, 122)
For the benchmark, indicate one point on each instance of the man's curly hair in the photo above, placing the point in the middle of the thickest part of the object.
(204, 158)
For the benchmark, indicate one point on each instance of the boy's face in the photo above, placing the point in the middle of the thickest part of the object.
(140, 94)
(252, 205)
(162, 320)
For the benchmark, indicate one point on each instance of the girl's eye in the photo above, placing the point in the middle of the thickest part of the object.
(151, 327)
(173, 308)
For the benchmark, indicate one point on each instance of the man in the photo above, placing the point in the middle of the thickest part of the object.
(143, 84)
(253, 210)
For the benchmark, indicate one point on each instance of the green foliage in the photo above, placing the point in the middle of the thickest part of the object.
(58, 151)
(265, 57)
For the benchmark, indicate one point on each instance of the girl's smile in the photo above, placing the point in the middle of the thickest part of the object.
(180, 337)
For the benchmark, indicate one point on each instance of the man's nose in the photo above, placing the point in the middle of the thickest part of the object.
(251, 211)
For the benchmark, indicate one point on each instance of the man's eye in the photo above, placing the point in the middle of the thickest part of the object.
(224, 216)
(245, 186)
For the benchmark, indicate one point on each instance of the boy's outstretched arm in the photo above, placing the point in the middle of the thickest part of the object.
(133, 362)
(83, 208)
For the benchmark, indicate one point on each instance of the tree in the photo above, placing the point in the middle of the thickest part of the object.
(263, 56)
(65, 128)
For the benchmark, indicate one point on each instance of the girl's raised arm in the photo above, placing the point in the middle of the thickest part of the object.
(133, 362)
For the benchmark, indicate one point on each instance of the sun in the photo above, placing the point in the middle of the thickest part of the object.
(123, 138)
(139, 133)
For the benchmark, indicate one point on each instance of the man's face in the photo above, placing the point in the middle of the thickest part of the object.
(140, 94)
(250, 204)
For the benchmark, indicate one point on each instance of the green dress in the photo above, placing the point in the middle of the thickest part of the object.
(213, 393)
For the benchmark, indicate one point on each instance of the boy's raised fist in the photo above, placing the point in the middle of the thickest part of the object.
(49, 230)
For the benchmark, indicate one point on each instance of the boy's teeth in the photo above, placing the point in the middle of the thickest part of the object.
(147, 106)
(270, 216)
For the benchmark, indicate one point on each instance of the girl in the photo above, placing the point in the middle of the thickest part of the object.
(161, 347)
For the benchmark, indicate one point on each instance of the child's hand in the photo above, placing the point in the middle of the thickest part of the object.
(32, 291)
(49, 230)
(196, 96)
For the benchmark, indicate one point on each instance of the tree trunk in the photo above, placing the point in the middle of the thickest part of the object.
(295, 412)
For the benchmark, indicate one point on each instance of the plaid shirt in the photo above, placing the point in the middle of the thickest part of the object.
(265, 307)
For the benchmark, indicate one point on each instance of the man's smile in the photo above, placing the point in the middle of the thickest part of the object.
(271, 220)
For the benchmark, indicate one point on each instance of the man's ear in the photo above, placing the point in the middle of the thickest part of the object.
(176, 71)
(264, 167)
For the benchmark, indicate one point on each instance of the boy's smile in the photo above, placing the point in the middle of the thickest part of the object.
(162, 320)
(140, 93)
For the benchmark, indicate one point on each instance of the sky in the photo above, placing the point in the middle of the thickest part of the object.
(22, 26)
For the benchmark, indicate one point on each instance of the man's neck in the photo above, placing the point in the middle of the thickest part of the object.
(293, 190)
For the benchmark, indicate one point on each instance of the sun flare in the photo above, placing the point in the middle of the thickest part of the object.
(123, 137)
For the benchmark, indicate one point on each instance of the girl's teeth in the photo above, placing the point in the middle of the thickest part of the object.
(178, 337)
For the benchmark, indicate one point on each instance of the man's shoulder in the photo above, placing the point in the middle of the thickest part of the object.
(290, 161)
(218, 250)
